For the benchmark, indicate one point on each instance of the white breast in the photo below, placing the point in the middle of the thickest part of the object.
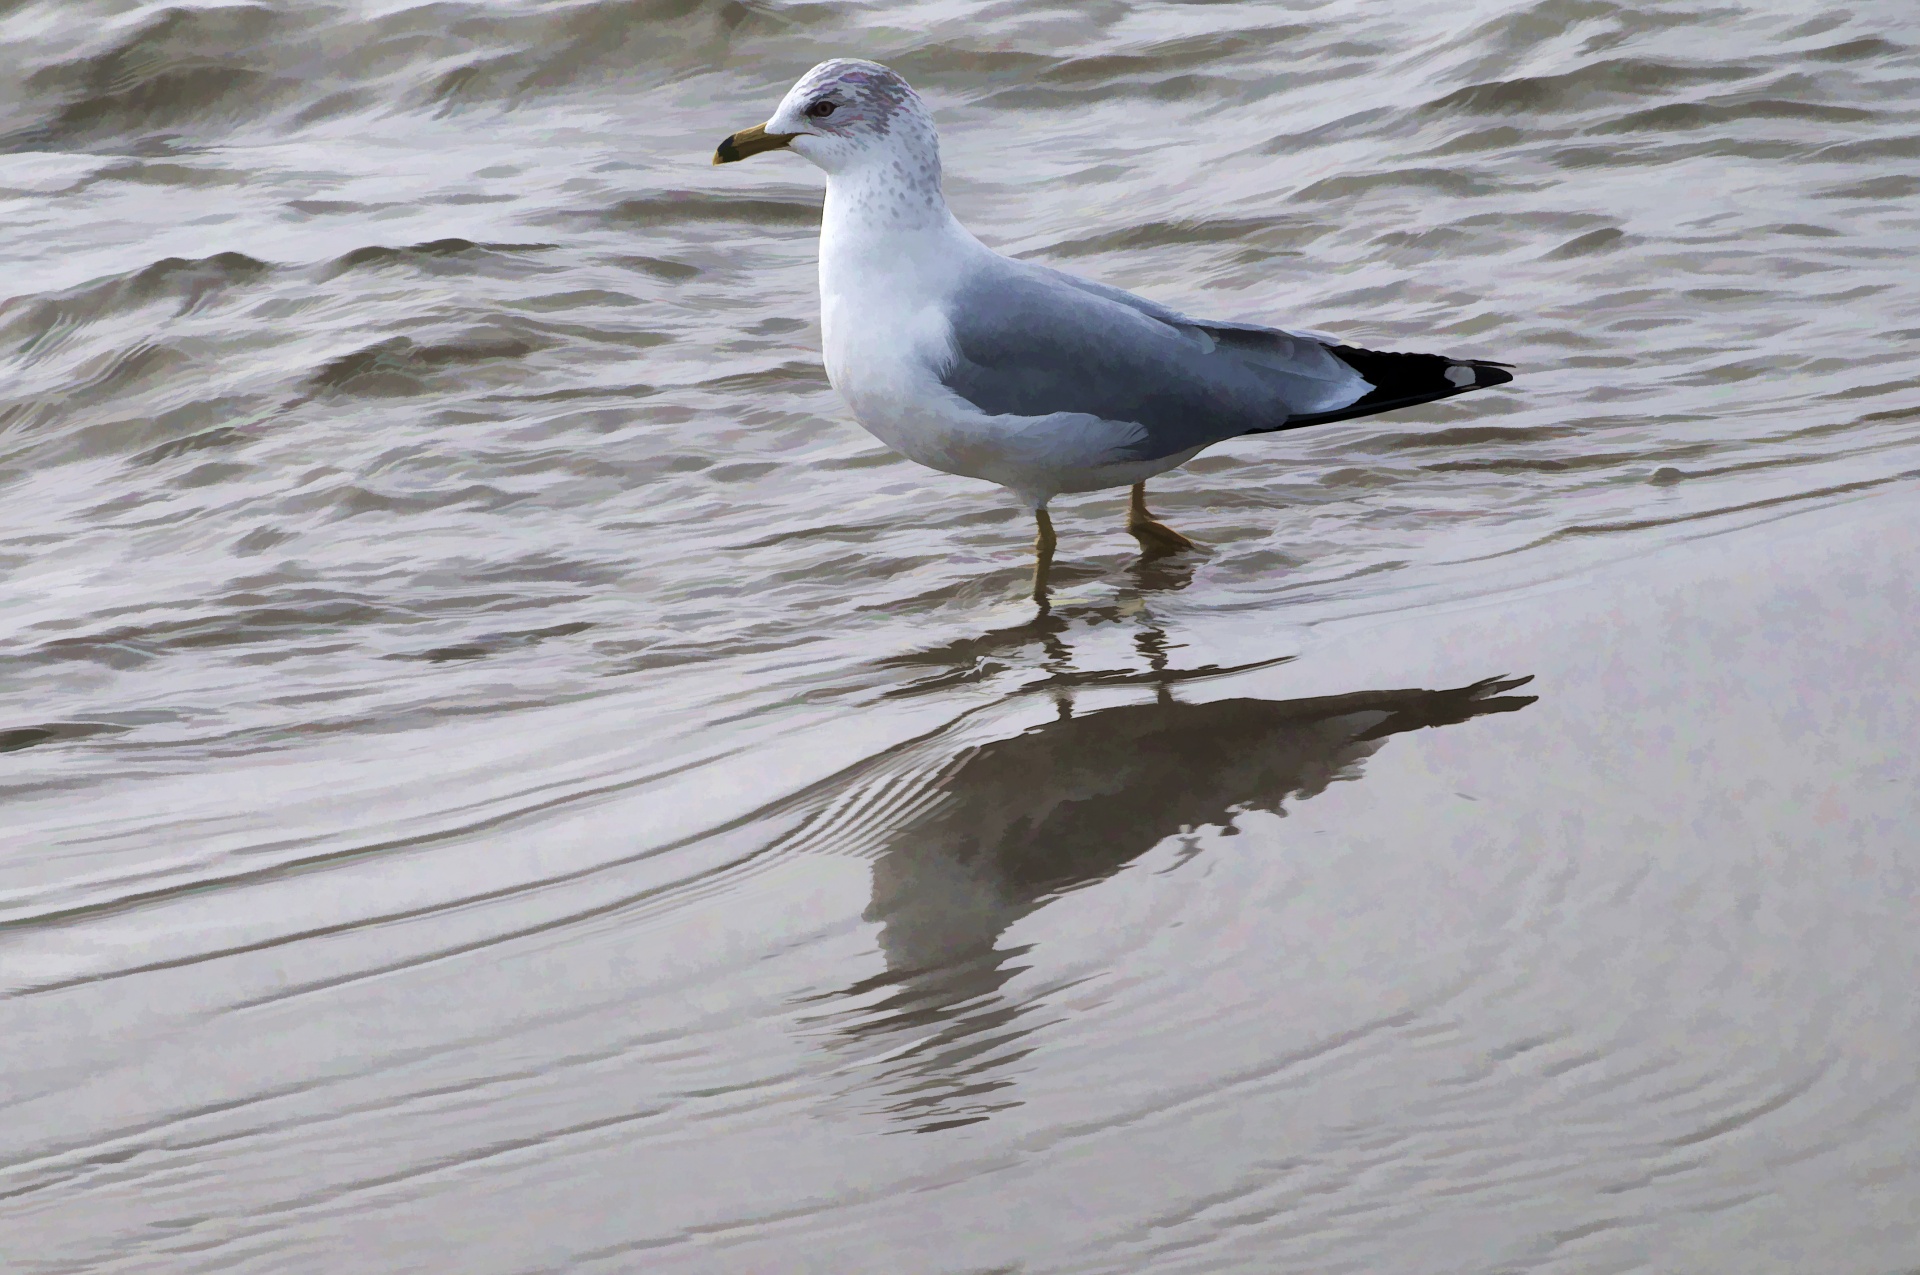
(884, 296)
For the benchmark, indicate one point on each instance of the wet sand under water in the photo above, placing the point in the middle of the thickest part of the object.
(1372, 958)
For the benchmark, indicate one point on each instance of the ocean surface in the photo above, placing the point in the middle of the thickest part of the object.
(498, 773)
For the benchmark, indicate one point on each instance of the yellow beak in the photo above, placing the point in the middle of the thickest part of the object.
(750, 141)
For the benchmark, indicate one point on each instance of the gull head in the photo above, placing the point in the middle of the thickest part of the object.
(844, 116)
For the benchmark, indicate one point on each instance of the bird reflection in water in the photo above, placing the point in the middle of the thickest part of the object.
(965, 843)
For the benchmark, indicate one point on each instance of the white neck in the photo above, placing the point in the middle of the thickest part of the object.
(886, 225)
(894, 184)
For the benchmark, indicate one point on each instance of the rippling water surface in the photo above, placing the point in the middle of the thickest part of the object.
(500, 774)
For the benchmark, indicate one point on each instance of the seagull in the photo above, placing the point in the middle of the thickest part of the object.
(978, 364)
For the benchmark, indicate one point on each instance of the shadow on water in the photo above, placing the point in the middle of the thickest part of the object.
(965, 843)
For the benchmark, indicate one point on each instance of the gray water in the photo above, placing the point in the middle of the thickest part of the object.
(500, 774)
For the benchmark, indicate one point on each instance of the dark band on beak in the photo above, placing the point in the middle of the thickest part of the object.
(750, 141)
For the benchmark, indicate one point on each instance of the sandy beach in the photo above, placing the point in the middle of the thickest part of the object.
(1427, 971)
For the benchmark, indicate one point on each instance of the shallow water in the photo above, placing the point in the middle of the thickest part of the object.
(501, 774)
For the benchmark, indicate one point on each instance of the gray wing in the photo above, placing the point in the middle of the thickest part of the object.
(1032, 342)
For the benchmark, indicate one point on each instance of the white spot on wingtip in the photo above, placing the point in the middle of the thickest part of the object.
(1460, 375)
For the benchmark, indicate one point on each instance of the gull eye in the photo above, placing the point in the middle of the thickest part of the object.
(820, 110)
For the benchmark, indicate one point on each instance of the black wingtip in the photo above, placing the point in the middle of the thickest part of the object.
(726, 152)
(1402, 379)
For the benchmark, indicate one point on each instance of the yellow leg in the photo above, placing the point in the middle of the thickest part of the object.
(1155, 537)
(1043, 544)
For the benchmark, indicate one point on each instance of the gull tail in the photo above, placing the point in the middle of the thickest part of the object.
(1403, 380)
